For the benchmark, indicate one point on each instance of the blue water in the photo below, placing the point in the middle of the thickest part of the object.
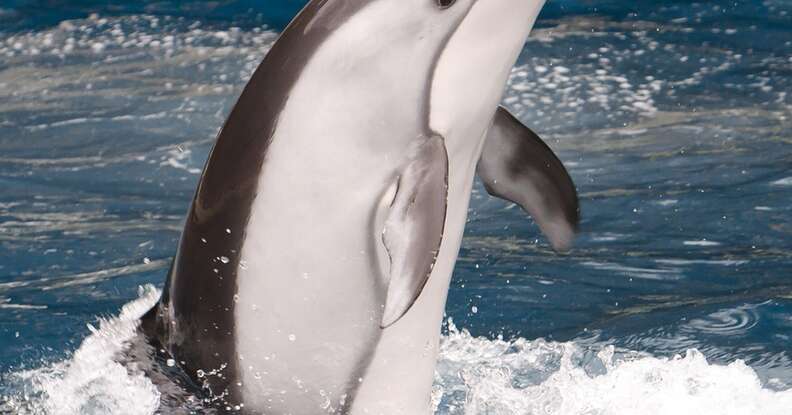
(674, 119)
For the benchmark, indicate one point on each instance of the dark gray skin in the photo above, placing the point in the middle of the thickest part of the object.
(516, 165)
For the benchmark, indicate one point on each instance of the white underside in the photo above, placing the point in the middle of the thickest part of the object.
(312, 288)
(311, 284)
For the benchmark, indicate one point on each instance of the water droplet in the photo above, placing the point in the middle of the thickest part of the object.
(200, 373)
(228, 231)
(292, 338)
(224, 259)
(243, 264)
(236, 298)
(170, 362)
(474, 309)
(297, 381)
(146, 260)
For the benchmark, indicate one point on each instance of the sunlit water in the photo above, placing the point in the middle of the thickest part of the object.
(673, 120)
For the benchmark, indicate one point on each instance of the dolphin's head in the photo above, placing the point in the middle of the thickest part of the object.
(474, 65)
(468, 48)
(462, 52)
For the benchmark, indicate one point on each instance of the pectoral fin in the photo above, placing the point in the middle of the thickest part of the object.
(518, 166)
(414, 226)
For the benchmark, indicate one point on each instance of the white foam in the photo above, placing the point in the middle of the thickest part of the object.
(475, 375)
(522, 377)
(786, 181)
(91, 381)
(702, 242)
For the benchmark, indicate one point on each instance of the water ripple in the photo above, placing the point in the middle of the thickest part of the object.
(727, 322)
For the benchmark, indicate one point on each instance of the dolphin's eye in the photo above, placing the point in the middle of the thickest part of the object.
(444, 4)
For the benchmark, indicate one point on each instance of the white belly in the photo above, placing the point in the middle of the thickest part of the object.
(310, 287)
(311, 290)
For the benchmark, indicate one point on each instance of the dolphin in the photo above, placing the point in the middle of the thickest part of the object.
(315, 262)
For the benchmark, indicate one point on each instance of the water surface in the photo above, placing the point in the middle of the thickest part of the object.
(673, 118)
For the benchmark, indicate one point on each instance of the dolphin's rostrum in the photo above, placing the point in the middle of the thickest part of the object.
(313, 269)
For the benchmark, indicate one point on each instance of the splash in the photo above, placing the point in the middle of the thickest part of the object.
(91, 381)
(475, 375)
(482, 376)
